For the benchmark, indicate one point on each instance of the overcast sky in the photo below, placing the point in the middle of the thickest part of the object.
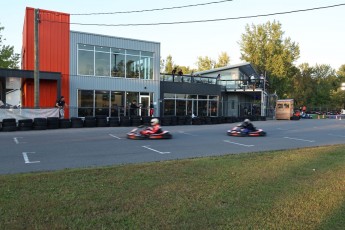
(319, 33)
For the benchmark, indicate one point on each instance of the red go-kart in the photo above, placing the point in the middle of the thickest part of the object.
(239, 131)
(139, 134)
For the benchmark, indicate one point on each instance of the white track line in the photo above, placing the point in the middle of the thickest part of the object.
(235, 143)
(335, 135)
(188, 134)
(154, 150)
(296, 139)
(26, 158)
(114, 136)
(16, 140)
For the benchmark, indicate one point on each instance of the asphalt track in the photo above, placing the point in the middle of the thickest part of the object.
(48, 150)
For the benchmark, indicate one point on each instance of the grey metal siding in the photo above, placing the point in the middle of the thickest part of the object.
(111, 83)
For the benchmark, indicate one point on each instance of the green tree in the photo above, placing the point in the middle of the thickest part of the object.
(169, 64)
(338, 94)
(264, 47)
(302, 92)
(8, 59)
(205, 63)
(223, 60)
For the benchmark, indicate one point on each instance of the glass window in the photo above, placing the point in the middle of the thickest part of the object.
(169, 95)
(117, 106)
(132, 66)
(102, 61)
(169, 107)
(85, 103)
(85, 98)
(202, 108)
(85, 62)
(146, 68)
(85, 47)
(133, 52)
(102, 49)
(192, 96)
(183, 96)
(102, 101)
(146, 54)
(118, 65)
(117, 51)
(213, 108)
(180, 107)
(131, 97)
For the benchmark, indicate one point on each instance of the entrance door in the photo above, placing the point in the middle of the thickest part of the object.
(144, 101)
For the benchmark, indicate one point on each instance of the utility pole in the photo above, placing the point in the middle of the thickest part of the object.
(37, 61)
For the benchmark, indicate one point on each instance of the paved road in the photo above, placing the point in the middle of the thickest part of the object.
(29, 151)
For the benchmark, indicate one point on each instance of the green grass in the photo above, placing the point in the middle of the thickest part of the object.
(295, 189)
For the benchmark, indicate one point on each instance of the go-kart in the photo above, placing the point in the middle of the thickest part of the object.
(139, 134)
(240, 131)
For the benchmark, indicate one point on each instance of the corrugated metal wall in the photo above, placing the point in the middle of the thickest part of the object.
(53, 51)
(111, 83)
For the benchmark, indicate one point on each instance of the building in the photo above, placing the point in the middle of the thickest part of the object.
(103, 75)
(235, 90)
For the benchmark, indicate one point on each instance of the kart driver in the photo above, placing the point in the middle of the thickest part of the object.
(155, 128)
(248, 125)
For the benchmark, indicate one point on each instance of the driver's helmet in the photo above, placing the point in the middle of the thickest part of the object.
(247, 121)
(154, 121)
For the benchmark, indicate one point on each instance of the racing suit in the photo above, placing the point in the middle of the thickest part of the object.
(152, 130)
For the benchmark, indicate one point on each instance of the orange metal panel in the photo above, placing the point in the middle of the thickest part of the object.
(48, 92)
(54, 34)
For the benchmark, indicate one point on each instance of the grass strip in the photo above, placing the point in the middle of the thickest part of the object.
(293, 189)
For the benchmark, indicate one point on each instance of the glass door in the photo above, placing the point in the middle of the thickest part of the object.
(144, 101)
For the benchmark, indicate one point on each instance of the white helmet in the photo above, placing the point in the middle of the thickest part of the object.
(247, 121)
(154, 121)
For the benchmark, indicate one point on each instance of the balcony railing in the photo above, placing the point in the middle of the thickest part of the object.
(228, 85)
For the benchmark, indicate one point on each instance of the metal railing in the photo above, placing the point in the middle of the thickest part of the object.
(227, 84)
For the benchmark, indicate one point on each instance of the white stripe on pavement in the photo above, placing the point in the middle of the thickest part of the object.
(235, 143)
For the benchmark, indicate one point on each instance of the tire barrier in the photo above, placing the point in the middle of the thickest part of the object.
(173, 120)
(40, 123)
(52, 122)
(166, 121)
(181, 120)
(188, 120)
(146, 120)
(125, 121)
(9, 125)
(77, 122)
(64, 123)
(114, 121)
(25, 124)
(90, 121)
(101, 121)
(135, 120)
(196, 121)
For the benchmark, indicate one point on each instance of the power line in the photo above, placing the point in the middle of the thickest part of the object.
(141, 11)
(213, 20)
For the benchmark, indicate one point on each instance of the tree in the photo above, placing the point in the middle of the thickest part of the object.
(169, 64)
(8, 59)
(223, 60)
(205, 63)
(271, 54)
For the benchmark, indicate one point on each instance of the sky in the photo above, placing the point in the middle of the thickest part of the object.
(319, 33)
